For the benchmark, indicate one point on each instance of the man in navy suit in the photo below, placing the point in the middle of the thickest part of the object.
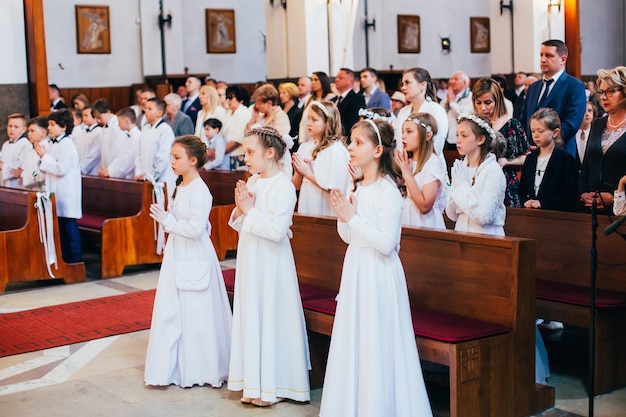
(191, 105)
(374, 97)
(557, 90)
(56, 101)
(348, 102)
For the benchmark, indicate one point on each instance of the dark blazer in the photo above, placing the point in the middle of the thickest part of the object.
(379, 99)
(567, 97)
(349, 110)
(295, 116)
(58, 106)
(602, 172)
(558, 187)
(193, 110)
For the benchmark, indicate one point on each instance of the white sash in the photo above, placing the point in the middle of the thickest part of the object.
(43, 204)
(158, 197)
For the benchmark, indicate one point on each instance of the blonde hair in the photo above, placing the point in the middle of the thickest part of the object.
(213, 99)
(550, 118)
(425, 146)
(332, 118)
(290, 88)
(489, 85)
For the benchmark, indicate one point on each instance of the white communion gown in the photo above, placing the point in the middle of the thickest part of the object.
(191, 330)
(373, 366)
(270, 351)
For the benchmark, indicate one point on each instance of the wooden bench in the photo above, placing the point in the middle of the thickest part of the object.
(472, 300)
(222, 184)
(563, 281)
(118, 211)
(223, 236)
(22, 255)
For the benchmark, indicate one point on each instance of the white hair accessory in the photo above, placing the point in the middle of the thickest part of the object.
(480, 122)
(418, 122)
(368, 114)
(321, 107)
(380, 142)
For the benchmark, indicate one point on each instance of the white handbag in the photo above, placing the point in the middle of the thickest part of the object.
(191, 275)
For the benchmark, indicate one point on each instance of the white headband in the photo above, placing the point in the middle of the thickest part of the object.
(480, 122)
(380, 142)
(420, 123)
(368, 114)
(321, 107)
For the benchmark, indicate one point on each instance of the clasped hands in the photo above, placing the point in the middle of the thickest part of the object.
(244, 199)
(460, 173)
(344, 207)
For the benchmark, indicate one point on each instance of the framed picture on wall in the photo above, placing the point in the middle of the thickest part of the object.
(220, 31)
(93, 34)
(408, 34)
(480, 34)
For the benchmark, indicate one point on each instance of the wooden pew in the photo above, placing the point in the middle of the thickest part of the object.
(456, 282)
(563, 281)
(22, 256)
(118, 211)
(223, 236)
(222, 184)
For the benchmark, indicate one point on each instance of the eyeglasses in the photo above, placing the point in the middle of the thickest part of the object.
(608, 91)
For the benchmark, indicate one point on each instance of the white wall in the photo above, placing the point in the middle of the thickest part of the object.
(12, 43)
(121, 67)
(443, 18)
(249, 63)
(602, 35)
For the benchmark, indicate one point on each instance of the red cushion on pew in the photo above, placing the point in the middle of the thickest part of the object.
(321, 305)
(91, 221)
(310, 292)
(452, 328)
(578, 294)
(229, 279)
(307, 292)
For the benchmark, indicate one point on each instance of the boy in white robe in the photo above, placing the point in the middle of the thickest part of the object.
(9, 157)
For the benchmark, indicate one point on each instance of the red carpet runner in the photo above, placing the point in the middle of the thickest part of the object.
(66, 324)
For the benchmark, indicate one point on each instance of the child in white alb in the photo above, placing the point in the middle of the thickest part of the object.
(89, 144)
(424, 174)
(59, 162)
(373, 365)
(476, 196)
(321, 163)
(11, 149)
(32, 177)
(269, 358)
(191, 322)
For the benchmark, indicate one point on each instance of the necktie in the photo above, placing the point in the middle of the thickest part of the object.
(546, 90)
(339, 100)
(582, 135)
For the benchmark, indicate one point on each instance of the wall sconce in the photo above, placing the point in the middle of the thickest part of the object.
(282, 3)
(165, 20)
(506, 6)
(554, 3)
(446, 45)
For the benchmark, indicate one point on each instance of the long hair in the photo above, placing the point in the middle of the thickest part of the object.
(325, 82)
(478, 131)
(212, 98)
(550, 119)
(422, 75)
(195, 148)
(333, 131)
(425, 146)
(387, 166)
(489, 85)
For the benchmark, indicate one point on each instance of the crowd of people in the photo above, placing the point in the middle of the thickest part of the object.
(345, 149)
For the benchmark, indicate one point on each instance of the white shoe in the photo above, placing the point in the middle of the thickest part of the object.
(552, 325)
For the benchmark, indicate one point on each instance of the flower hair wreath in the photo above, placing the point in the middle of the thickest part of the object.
(480, 122)
(418, 122)
(370, 115)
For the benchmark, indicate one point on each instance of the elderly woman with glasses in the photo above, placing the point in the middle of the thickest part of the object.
(605, 159)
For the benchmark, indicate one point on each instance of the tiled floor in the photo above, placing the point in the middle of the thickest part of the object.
(105, 377)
